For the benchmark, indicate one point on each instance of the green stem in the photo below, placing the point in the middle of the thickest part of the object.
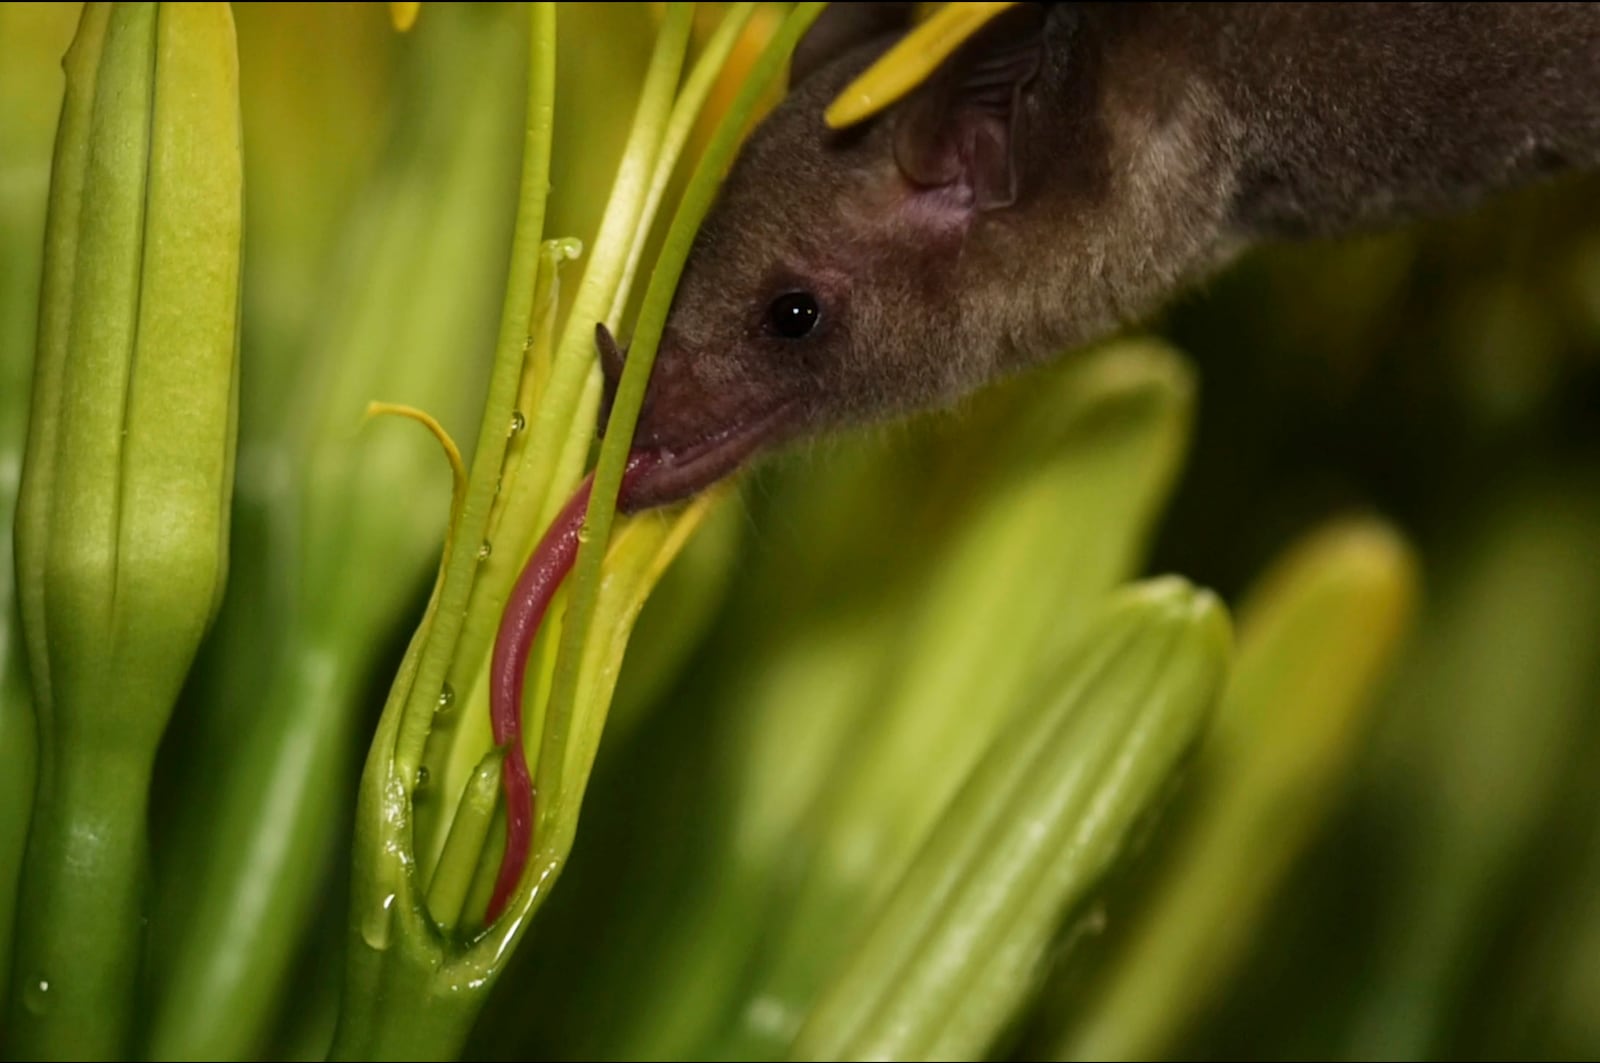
(575, 358)
(263, 868)
(558, 424)
(448, 892)
(19, 731)
(685, 112)
(78, 939)
(19, 745)
(460, 732)
(408, 1012)
(444, 635)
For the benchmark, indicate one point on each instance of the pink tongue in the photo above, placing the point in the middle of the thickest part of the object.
(525, 610)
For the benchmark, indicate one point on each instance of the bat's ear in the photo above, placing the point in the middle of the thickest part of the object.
(959, 128)
(841, 27)
(612, 359)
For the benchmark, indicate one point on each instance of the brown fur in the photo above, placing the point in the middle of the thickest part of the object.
(1155, 142)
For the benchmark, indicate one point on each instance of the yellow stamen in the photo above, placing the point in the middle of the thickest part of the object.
(910, 62)
(404, 16)
(458, 468)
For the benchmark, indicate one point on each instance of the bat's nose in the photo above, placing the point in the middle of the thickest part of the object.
(680, 408)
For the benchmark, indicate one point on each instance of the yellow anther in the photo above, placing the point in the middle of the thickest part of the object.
(910, 62)
(404, 15)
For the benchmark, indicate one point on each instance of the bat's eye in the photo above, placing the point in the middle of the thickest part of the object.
(793, 315)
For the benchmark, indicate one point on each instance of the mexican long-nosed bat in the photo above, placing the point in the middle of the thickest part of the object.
(1059, 177)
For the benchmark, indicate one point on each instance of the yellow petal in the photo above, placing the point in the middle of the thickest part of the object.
(404, 16)
(909, 63)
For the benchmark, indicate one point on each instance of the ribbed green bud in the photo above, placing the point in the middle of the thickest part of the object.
(958, 949)
(1317, 637)
(122, 520)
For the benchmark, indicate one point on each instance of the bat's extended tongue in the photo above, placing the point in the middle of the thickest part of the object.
(525, 610)
(652, 477)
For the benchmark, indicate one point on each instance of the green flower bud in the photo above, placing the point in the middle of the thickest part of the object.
(1488, 714)
(122, 521)
(1317, 636)
(956, 952)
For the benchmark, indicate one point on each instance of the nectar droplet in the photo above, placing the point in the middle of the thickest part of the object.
(484, 550)
(584, 533)
(422, 777)
(447, 698)
(518, 421)
(375, 927)
(36, 995)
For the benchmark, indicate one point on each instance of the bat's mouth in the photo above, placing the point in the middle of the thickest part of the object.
(663, 475)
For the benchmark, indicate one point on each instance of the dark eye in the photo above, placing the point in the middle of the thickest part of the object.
(793, 315)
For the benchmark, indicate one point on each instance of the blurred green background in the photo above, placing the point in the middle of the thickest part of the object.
(1444, 900)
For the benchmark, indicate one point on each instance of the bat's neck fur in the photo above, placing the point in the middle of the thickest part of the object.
(1418, 109)
(1161, 139)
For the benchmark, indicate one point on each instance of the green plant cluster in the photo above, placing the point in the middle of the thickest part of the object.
(1226, 690)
